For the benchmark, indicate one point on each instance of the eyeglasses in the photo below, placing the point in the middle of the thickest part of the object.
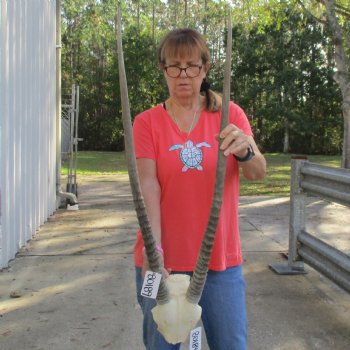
(175, 71)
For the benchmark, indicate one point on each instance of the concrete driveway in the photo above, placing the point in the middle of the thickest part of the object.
(72, 287)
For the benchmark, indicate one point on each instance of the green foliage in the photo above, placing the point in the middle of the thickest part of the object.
(282, 67)
(283, 79)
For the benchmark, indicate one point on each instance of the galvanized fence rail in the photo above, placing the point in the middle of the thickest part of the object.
(328, 183)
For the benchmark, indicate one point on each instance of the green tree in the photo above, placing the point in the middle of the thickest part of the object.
(336, 16)
(282, 67)
(280, 78)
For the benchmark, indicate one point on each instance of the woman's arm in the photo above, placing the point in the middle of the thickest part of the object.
(254, 169)
(151, 193)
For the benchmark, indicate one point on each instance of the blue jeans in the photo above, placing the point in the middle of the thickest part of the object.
(223, 312)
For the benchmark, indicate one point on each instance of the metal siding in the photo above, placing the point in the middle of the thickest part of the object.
(46, 141)
(1, 116)
(18, 114)
(12, 237)
(52, 98)
(31, 72)
(27, 125)
(29, 156)
(35, 142)
(4, 130)
(40, 130)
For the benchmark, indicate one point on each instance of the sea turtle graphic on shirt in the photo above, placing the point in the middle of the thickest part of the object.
(191, 155)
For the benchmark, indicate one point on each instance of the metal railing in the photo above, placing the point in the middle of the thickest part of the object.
(328, 183)
(69, 138)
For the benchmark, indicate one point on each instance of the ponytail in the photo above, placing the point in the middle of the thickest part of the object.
(213, 99)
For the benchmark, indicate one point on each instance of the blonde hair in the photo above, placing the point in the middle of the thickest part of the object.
(182, 43)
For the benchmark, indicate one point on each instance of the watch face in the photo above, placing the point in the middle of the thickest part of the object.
(250, 154)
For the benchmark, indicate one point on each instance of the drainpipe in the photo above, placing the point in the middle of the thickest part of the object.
(59, 193)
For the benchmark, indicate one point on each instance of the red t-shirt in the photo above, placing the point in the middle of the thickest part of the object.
(186, 173)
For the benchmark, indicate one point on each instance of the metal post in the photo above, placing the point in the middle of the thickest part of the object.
(59, 193)
(71, 143)
(297, 215)
(296, 222)
(76, 140)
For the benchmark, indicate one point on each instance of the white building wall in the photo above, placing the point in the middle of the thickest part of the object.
(27, 120)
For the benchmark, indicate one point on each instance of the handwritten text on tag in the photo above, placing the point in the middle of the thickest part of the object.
(151, 284)
(196, 339)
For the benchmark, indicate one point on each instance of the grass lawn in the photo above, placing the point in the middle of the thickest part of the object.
(276, 183)
(99, 163)
(277, 180)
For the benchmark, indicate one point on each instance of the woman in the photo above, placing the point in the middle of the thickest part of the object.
(176, 146)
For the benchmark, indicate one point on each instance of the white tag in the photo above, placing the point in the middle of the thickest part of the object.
(150, 284)
(196, 339)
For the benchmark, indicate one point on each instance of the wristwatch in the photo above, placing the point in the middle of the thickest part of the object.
(250, 154)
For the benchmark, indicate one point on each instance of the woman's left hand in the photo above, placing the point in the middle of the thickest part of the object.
(235, 141)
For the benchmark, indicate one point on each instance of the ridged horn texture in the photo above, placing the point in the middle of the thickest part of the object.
(200, 274)
(155, 262)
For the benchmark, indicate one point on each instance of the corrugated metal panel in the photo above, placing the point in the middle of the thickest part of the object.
(27, 121)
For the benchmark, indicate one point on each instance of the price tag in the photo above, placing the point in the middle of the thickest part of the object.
(196, 339)
(151, 284)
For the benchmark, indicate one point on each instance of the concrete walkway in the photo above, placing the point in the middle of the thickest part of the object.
(72, 287)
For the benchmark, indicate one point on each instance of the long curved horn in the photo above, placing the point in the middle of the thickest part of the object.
(198, 279)
(150, 245)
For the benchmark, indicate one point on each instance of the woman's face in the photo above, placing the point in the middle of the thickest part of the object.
(183, 86)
